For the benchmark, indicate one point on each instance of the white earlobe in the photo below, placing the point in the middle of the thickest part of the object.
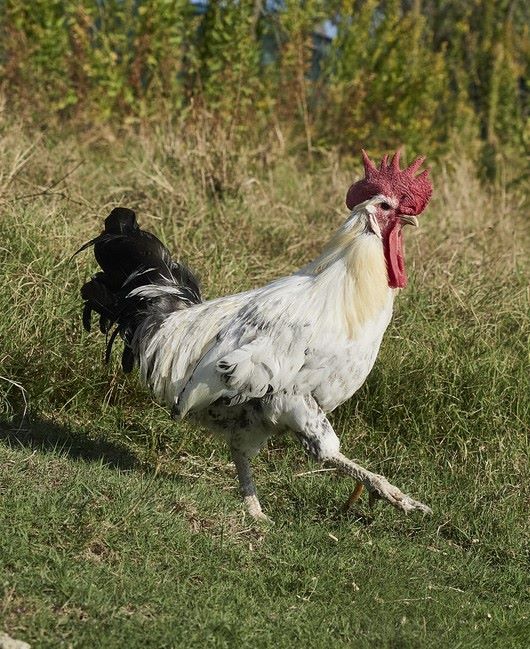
(374, 224)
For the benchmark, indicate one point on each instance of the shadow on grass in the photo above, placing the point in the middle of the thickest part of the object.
(40, 434)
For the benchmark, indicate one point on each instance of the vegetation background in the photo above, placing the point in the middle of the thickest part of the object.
(233, 129)
(342, 73)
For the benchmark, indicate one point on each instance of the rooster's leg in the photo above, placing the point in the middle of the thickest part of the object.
(246, 485)
(320, 440)
(377, 485)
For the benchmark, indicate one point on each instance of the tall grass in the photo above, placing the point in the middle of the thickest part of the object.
(240, 218)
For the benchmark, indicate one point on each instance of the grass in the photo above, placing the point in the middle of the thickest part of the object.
(121, 528)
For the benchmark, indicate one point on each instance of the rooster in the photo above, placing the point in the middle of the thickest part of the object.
(275, 358)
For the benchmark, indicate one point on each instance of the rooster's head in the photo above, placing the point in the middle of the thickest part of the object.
(401, 196)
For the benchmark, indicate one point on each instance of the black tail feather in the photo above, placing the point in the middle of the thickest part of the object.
(130, 259)
(98, 297)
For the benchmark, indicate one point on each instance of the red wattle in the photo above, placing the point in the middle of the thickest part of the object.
(393, 247)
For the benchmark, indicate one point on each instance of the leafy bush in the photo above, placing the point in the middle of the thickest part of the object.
(397, 71)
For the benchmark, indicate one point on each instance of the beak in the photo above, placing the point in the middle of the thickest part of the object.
(408, 219)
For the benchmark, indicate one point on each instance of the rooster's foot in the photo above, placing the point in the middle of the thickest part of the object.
(253, 508)
(380, 488)
(354, 496)
(377, 486)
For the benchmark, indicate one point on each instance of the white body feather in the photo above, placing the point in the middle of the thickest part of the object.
(316, 332)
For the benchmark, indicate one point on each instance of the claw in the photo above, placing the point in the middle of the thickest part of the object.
(377, 486)
(354, 496)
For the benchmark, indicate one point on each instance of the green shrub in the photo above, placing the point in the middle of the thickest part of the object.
(422, 73)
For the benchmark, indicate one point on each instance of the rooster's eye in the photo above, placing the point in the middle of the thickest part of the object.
(386, 206)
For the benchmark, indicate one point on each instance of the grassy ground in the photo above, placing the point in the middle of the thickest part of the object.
(121, 528)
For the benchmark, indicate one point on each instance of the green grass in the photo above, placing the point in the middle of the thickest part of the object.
(120, 528)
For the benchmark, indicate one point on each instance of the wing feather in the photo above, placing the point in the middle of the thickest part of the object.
(258, 351)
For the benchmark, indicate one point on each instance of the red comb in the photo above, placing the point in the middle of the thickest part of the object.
(413, 192)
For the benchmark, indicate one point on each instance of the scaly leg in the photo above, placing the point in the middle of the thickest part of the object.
(246, 485)
(319, 439)
(377, 485)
